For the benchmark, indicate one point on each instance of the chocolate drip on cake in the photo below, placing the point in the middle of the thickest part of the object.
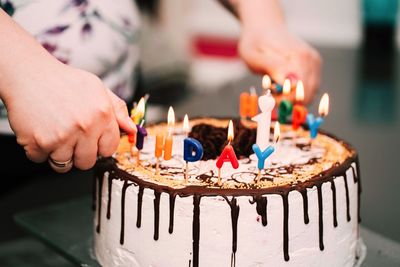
(139, 207)
(196, 229)
(157, 196)
(123, 194)
(333, 187)
(261, 207)
(235, 209)
(285, 202)
(359, 189)
(346, 186)
(99, 196)
(303, 193)
(172, 198)
(108, 216)
(320, 217)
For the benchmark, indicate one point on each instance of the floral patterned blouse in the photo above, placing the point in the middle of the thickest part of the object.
(100, 36)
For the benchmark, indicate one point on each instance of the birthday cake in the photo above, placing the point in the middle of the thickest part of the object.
(301, 209)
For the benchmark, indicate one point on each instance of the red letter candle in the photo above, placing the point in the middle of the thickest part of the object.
(227, 155)
(299, 111)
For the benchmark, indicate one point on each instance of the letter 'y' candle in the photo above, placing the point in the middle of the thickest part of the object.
(262, 155)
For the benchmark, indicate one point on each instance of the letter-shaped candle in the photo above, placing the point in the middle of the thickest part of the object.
(266, 103)
(285, 107)
(228, 154)
(165, 145)
(244, 105)
(263, 155)
(192, 149)
(299, 111)
(323, 110)
(253, 105)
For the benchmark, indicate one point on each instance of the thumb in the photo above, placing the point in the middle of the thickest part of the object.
(121, 113)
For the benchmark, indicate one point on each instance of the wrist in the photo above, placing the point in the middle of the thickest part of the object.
(259, 13)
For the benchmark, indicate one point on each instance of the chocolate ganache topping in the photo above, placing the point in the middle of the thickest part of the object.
(214, 139)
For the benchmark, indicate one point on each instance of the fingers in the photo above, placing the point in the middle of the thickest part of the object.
(109, 140)
(35, 154)
(85, 152)
(121, 114)
(63, 154)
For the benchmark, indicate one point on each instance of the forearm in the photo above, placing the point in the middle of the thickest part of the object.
(256, 13)
(19, 51)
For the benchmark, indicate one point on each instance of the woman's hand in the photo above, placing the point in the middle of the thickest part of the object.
(267, 46)
(57, 112)
(65, 113)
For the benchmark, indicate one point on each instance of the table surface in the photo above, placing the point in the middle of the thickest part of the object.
(67, 228)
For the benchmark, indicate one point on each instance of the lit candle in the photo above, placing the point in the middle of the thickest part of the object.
(138, 139)
(253, 99)
(165, 144)
(168, 139)
(266, 103)
(299, 111)
(266, 82)
(323, 110)
(262, 155)
(227, 155)
(244, 104)
(192, 149)
(138, 111)
(285, 108)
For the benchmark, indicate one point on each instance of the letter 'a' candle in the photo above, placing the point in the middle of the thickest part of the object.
(227, 155)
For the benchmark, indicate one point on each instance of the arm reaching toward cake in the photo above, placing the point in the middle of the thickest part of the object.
(267, 45)
(56, 111)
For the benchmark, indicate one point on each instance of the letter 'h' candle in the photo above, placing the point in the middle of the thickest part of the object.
(227, 155)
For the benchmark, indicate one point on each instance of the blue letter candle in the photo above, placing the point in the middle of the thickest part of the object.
(262, 155)
(314, 123)
(192, 150)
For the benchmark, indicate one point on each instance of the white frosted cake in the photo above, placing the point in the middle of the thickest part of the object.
(302, 211)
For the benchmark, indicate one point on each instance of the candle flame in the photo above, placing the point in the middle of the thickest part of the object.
(230, 131)
(140, 108)
(299, 91)
(277, 132)
(171, 119)
(266, 82)
(252, 91)
(323, 108)
(186, 124)
(286, 87)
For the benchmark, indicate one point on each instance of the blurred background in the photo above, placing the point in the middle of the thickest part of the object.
(189, 60)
